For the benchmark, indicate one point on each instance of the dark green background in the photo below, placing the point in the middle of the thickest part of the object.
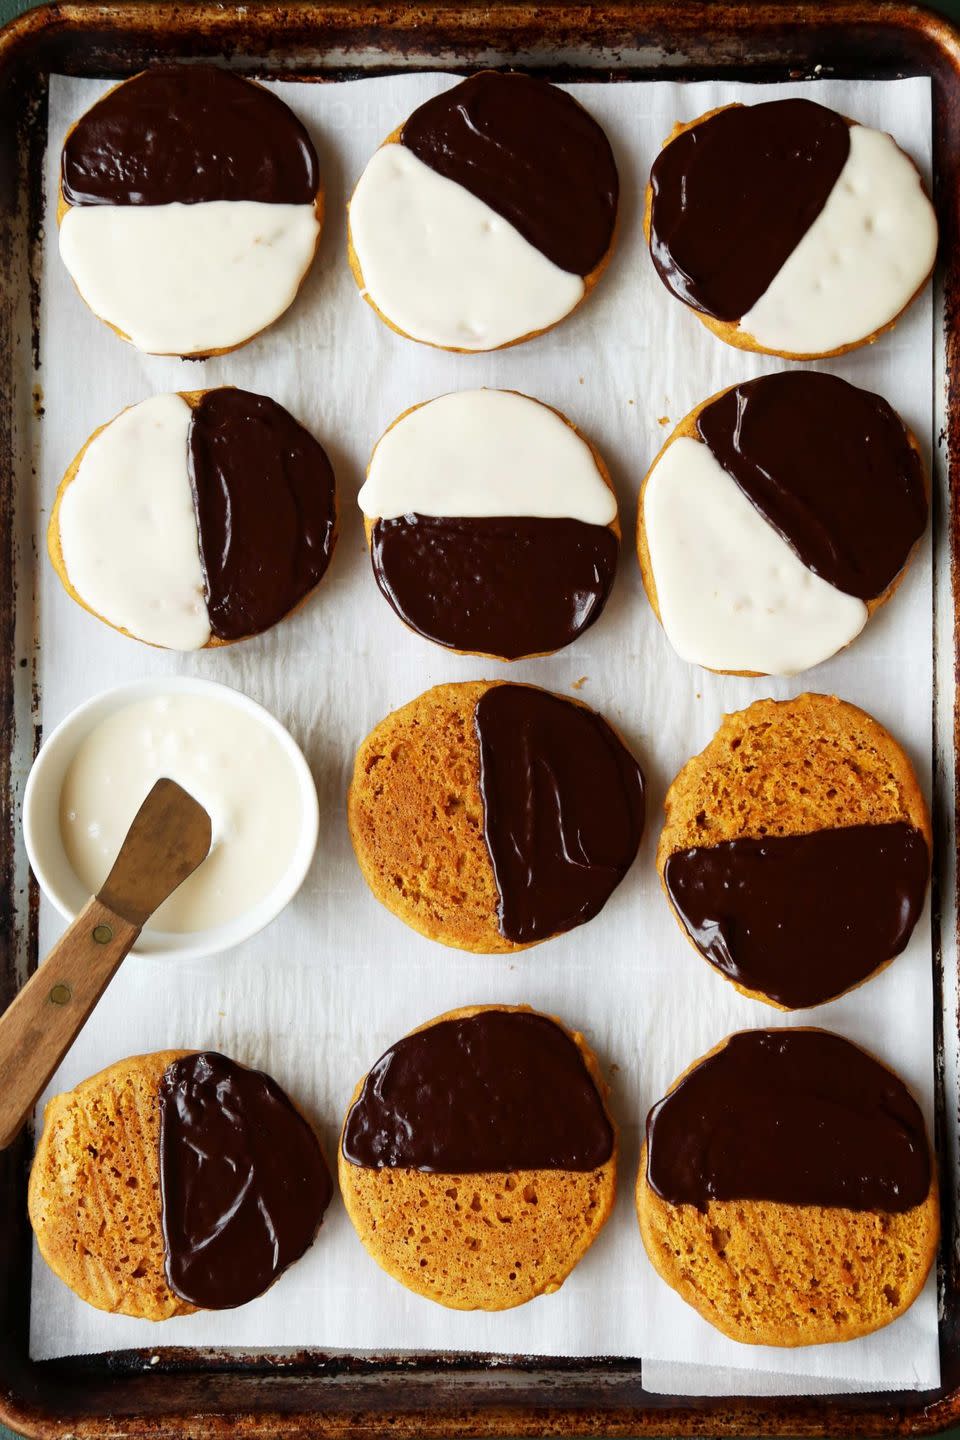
(9, 8)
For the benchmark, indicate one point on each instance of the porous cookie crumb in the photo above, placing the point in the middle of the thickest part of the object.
(94, 1194)
(789, 767)
(479, 1242)
(416, 820)
(770, 1274)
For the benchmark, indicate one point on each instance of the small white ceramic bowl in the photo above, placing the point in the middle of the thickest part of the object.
(41, 815)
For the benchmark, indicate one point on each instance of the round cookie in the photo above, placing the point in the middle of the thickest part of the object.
(487, 217)
(796, 848)
(787, 1190)
(776, 519)
(190, 208)
(477, 1160)
(195, 519)
(492, 524)
(463, 802)
(175, 1181)
(789, 229)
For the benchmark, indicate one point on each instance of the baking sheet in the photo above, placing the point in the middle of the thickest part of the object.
(317, 997)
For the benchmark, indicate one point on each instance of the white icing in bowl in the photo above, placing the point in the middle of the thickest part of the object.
(245, 903)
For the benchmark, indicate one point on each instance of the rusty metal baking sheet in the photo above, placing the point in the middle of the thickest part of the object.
(337, 965)
(285, 1395)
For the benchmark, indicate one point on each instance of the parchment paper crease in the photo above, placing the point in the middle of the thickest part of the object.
(317, 997)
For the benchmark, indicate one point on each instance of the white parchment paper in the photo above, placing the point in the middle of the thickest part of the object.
(318, 996)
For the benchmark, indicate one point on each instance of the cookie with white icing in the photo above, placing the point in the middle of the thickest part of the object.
(195, 519)
(487, 217)
(789, 229)
(778, 516)
(492, 524)
(189, 210)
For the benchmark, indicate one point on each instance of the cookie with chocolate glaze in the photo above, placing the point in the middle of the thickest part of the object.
(776, 519)
(487, 217)
(796, 850)
(787, 1189)
(492, 524)
(789, 229)
(478, 1159)
(195, 519)
(190, 208)
(463, 802)
(175, 1181)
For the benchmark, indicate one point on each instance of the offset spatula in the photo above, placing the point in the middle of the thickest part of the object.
(169, 838)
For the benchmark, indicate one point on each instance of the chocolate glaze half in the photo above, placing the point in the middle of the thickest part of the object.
(830, 466)
(530, 152)
(563, 809)
(497, 585)
(801, 1117)
(734, 195)
(497, 1091)
(188, 133)
(266, 509)
(802, 918)
(243, 1182)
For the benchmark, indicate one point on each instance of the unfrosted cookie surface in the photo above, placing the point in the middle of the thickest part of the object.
(94, 1195)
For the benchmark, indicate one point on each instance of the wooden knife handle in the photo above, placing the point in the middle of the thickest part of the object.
(53, 1007)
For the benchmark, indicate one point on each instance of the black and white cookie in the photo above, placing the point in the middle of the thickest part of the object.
(777, 518)
(487, 217)
(193, 520)
(788, 228)
(190, 209)
(492, 524)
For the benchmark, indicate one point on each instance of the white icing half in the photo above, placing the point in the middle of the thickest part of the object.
(128, 528)
(445, 268)
(485, 452)
(187, 279)
(732, 594)
(863, 258)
